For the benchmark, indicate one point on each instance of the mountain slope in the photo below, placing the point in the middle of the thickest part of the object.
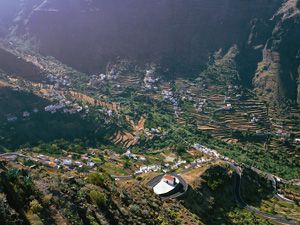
(277, 75)
(178, 34)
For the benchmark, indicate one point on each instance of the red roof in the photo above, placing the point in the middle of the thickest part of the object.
(169, 177)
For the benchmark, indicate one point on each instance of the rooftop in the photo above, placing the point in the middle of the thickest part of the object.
(163, 187)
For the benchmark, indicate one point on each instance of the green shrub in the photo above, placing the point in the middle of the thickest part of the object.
(13, 173)
(92, 220)
(135, 209)
(127, 163)
(34, 219)
(98, 198)
(96, 179)
(35, 206)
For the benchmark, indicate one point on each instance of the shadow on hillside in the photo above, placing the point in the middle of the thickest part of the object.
(213, 197)
(255, 188)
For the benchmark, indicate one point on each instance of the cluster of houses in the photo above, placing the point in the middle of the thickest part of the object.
(112, 73)
(200, 104)
(165, 168)
(206, 150)
(66, 162)
(187, 95)
(254, 119)
(130, 155)
(169, 97)
(148, 169)
(59, 80)
(283, 134)
(62, 104)
(54, 108)
(150, 79)
(177, 164)
(234, 90)
(107, 112)
(197, 162)
(66, 107)
(98, 79)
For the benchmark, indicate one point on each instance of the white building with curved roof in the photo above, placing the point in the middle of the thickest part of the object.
(166, 184)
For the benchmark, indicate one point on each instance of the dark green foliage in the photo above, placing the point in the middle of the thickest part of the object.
(22, 195)
(98, 198)
(223, 69)
(180, 149)
(213, 199)
(255, 187)
(127, 163)
(216, 177)
(96, 179)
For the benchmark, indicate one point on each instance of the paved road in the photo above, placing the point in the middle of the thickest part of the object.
(17, 155)
(129, 177)
(237, 192)
(276, 218)
(274, 184)
(154, 181)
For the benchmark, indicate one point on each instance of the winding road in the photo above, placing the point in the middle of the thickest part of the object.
(237, 188)
(237, 192)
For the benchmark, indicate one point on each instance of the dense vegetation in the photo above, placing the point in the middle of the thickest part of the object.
(214, 195)
(42, 197)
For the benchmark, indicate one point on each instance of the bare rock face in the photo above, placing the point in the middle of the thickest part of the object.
(177, 34)
(267, 77)
(8, 11)
(277, 74)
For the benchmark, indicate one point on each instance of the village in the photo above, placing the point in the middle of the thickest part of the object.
(228, 112)
(95, 158)
(169, 132)
(198, 99)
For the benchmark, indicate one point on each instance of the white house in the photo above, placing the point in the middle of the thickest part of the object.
(166, 184)
(67, 162)
(297, 140)
(26, 114)
(90, 164)
(11, 118)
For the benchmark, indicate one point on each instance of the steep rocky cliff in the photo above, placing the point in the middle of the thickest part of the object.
(8, 11)
(277, 74)
(178, 34)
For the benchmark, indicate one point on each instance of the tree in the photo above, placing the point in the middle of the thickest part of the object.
(180, 149)
(96, 179)
(127, 163)
(35, 206)
(98, 198)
